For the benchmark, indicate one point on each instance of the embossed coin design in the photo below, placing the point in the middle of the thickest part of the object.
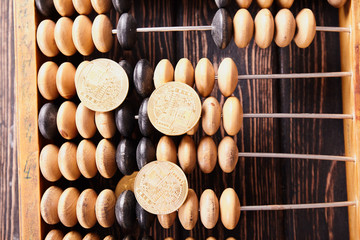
(174, 108)
(161, 187)
(102, 85)
(125, 183)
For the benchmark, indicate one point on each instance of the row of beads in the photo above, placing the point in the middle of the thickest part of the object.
(261, 3)
(56, 234)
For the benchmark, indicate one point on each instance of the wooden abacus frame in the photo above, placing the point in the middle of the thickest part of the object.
(27, 112)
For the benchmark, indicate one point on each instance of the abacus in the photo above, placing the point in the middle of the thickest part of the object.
(296, 179)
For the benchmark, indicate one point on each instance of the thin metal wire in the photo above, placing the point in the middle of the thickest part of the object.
(297, 206)
(298, 115)
(294, 75)
(332, 29)
(297, 156)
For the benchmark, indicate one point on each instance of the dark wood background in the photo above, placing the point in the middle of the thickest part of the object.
(257, 181)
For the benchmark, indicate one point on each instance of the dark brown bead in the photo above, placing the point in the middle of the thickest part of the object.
(129, 72)
(145, 126)
(145, 152)
(122, 5)
(45, 7)
(125, 119)
(125, 210)
(143, 78)
(145, 219)
(222, 3)
(47, 121)
(222, 28)
(126, 156)
(126, 31)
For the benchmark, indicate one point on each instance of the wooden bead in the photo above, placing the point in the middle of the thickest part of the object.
(143, 78)
(63, 36)
(85, 158)
(54, 234)
(145, 126)
(187, 154)
(122, 5)
(126, 31)
(209, 209)
(47, 80)
(64, 7)
(125, 119)
(105, 158)
(85, 121)
(72, 236)
(105, 123)
(306, 28)
(184, 72)
(91, 236)
(167, 220)
(49, 205)
(65, 120)
(227, 77)
(82, 6)
(244, 3)
(109, 237)
(210, 116)
(67, 161)
(285, 3)
(204, 77)
(284, 27)
(229, 208)
(194, 129)
(222, 3)
(126, 156)
(169, 238)
(189, 211)
(232, 116)
(101, 6)
(67, 206)
(48, 162)
(163, 73)
(125, 210)
(210, 238)
(166, 150)
(207, 154)
(264, 3)
(144, 218)
(101, 33)
(85, 208)
(105, 208)
(65, 80)
(45, 38)
(145, 152)
(47, 121)
(228, 154)
(337, 3)
(45, 7)
(243, 28)
(264, 28)
(222, 28)
(129, 237)
(81, 35)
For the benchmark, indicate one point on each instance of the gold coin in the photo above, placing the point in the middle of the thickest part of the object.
(102, 85)
(174, 108)
(125, 183)
(161, 187)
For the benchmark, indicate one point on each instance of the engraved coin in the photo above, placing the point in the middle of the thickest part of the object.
(125, 183)
(161, 187)
(174, 108)
(102, 85)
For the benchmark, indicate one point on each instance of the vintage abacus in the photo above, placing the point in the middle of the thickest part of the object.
(294, 119)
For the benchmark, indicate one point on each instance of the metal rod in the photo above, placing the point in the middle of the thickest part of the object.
(297, 156)
(294, 75)
(297, 206)
(332, 29)
(298, 115)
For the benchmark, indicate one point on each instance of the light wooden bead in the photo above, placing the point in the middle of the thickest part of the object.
(82, 6)
(65, 80)
(264, 28)
(229, 208)
(207, 154)
(204, 77)
(163, 73)
(210, 116)
(306, 28)
(228, 154)
(72, 236)
(85, 208)
(243, 28)
(45, 38)
(231, 238)
(337, 3)
(101, 6)
(101, 33)
(189, 211)
(285, 3)
(105, 123)
(105, 158)
(49, 205)
(109, 237)
(184, 72)
(194, 129)
(232, 116)
(187, 154)
(65, 120)
(85, 121)
(54, 234)
(264, 3)
(105, 208)
(64, 7)
(285, 26)
(167, 220)
(227, 77)
(63, 36)
(166, 150)
(209, 209)
(244, 3)
(169, 238)
(47, 80)
(67, 207)
(91, 236)
(49, 163)
(82, 36)
(210, 238)
(85, 158)
(67, 161)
